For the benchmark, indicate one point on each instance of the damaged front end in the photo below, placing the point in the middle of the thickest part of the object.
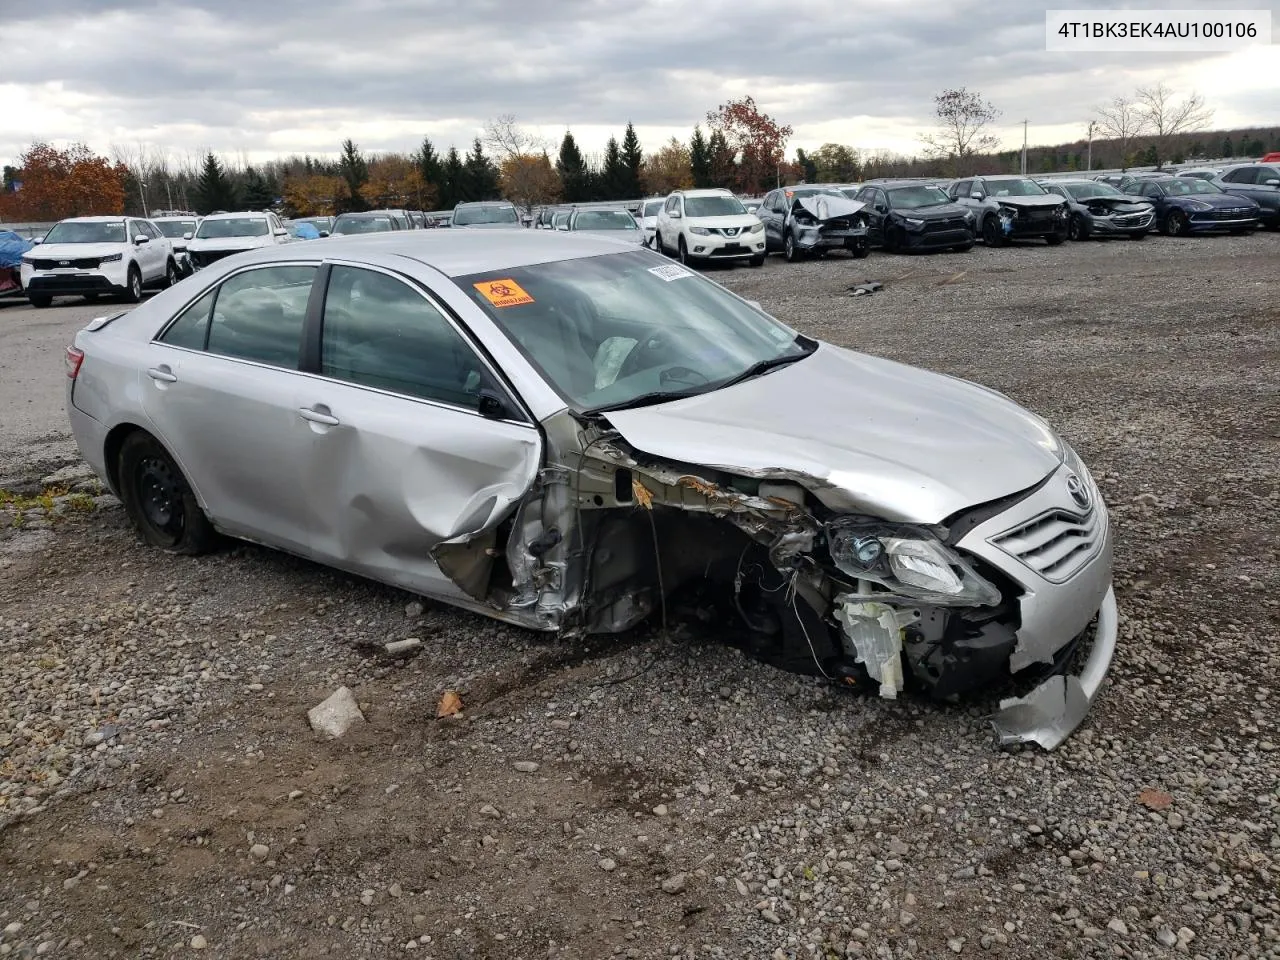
(820, 222)
(609, 535)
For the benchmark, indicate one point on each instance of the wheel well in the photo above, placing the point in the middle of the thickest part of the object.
(111, 451)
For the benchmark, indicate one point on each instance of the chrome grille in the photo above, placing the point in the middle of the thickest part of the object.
(1058, 543)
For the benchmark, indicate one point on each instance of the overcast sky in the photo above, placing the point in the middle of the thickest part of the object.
(254, 79)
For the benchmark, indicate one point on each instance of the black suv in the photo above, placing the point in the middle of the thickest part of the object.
(1260, 182)
(910, 215)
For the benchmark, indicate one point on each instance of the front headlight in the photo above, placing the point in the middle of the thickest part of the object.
(1199, 205)
(968, 216)
(28, 258)
(914, 221)
(700, 231)
(755, 228)
(908, 562)
(111, 258)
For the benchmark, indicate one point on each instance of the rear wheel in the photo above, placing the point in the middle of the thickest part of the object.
(39, 300)
(991, 234)
(158, 499)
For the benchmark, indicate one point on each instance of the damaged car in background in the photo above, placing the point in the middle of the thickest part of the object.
(810, 220)
(1100, 210)
(574, 436)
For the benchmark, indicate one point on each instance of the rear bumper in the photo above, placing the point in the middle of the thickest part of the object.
(90, 436)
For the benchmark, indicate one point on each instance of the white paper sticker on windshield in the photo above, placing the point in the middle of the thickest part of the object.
(671, 271)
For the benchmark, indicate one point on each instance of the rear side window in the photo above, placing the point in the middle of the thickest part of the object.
(192, 325)
(258, 315)
(380, 332)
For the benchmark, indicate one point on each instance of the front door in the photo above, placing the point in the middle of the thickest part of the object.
(400, 458)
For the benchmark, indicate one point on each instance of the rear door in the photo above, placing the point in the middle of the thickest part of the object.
(223, 391)
(400, 459)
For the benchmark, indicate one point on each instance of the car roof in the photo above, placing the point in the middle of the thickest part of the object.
(385, 214)
(1001, 176)
(483, 203)
(902, 183)
(453, 253)
(176, 216)
(707, 192)
(237, 216)
(114, 219)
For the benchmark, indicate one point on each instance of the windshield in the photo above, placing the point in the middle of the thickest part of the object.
(811, 191)
(232, 227)
(713, 207)
(604, 220)
(610, 329)
(468, 215)
(174, 229)
(71, 232)
(1183, 188)
(1087, 191)
(909, 198)
(850, 192)
(1014, 188)
(651, 208)
(362, 225)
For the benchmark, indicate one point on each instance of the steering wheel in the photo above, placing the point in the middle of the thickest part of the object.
(646, 353)
(679, 374)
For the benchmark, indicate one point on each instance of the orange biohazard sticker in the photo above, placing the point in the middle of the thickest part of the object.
(503, 293)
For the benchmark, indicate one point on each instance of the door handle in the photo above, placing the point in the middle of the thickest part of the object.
(162, 373)
(319, 414)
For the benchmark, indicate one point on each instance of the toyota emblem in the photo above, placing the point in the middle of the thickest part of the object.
(1079, 492)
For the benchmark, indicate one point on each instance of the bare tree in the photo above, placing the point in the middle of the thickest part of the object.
(506, 139)
(1166, 117)
(964, 121)
(1122, 120)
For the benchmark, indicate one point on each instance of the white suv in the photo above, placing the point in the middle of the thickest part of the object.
(179, 230)
(88, 256)
(709, 225)
(222, 234)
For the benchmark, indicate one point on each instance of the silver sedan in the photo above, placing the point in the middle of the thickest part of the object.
(570, 434)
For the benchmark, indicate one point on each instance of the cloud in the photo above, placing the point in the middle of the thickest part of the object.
(258, 79)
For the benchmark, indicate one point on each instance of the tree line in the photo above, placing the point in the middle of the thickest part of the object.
(737, 146)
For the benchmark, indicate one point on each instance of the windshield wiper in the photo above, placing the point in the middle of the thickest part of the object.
(764, 366)
(649, 399)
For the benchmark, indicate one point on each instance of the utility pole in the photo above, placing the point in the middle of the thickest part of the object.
(1024, 148)
(142, 192)
(1088, 165)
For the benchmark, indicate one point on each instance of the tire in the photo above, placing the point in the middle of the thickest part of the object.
(683, 250)
(963, 248)
(1077, 229)
(893, 240)
(158, 500)
(1138, 235)
(39, 300)
(170, 274)
(790, 250)
(1053, 239)
(860, 251)
(757, 261)
(133, 292)
(1175, 224)
(657, 244)
(991, 234)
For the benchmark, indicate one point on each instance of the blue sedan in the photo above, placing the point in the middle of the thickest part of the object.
(1186, 205)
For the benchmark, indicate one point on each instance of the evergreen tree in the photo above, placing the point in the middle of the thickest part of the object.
(573, 170)
(480, 176)
(613, 176)
(808, 167)
(1228, 148)
(214, 189)
(632, 162)
(430, 167)
(723, 166)
(259, 192)
(699, 159)
(355, 172)
(451, 178)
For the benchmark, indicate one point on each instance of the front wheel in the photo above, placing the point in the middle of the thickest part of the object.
(1053, 239)
(133, 288)
(757, 261)
(683, 250)
(39, 300)
(991, 234)
(790, 250)
(894, 240)
(1175, 224)
(170, 274)
(1076, 228)
(1138, 235)
(860, 251)
(158, 499)
(963, 248)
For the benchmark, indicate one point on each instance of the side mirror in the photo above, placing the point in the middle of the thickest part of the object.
(188, 235)
(491, 406)
(323, 234)
(36, 241)
(1271, 183)
(141, 240)
(281, 233)
(675, 214)
(881, 208)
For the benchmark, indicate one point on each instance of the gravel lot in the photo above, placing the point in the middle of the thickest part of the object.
(661, 796)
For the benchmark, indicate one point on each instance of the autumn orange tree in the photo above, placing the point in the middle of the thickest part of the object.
(394, 182)
(74, 182)
(312, 195)
(669, 168)
(529, 179)
(758, 141)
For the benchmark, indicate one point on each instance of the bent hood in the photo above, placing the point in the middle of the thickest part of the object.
(863, 434)
(828, 207)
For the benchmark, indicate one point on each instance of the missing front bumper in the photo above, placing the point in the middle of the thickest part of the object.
(1053, 710)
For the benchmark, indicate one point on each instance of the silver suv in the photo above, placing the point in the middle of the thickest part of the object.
(1012, 208)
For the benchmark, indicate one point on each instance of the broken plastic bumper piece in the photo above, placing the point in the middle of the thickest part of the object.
(1050, 712)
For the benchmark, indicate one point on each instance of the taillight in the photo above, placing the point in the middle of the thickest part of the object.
(73, 359)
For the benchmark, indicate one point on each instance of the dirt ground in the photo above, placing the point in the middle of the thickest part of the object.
(162, 795)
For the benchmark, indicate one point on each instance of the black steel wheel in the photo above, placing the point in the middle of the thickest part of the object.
(158, 499)
(991, 234)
